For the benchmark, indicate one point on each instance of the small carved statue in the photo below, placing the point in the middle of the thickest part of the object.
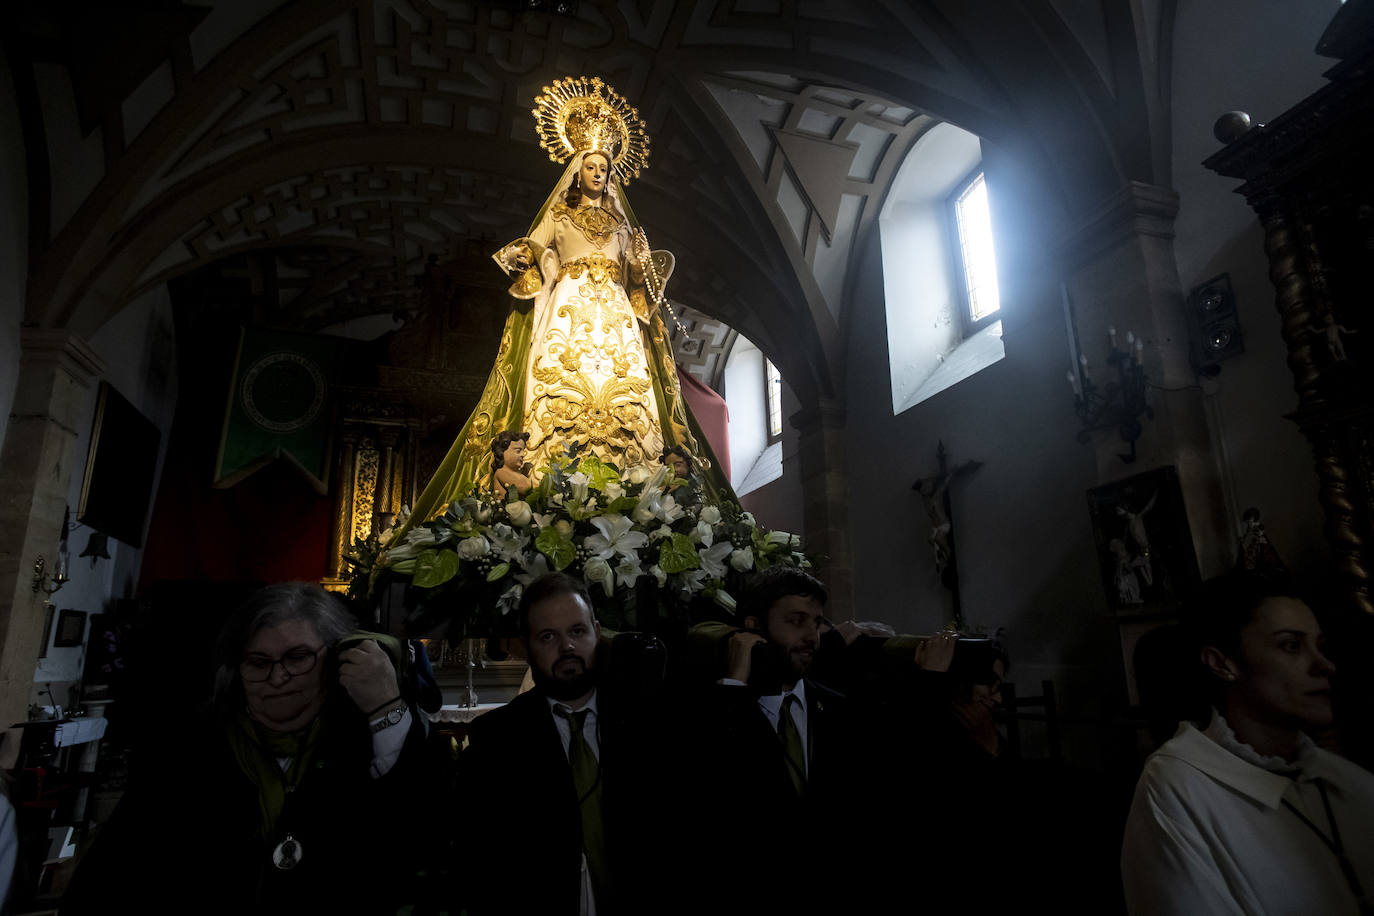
(508, 465)
(1256, 552)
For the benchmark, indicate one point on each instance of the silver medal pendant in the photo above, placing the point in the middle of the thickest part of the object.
(287, 854)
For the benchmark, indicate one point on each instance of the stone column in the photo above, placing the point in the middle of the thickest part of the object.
(37, 462)
(341, 524)
(383, 502)
(825, 499)
(1120, 272)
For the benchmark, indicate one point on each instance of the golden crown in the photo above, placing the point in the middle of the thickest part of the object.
(580, 114)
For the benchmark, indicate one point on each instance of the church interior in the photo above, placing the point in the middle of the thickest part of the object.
(1165, 372)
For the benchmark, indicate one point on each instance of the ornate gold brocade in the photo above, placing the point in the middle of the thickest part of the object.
(596, 223)
(589, 385)
(602, 269)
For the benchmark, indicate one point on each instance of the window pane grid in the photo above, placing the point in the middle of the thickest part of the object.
(774, 399)
(975, 245)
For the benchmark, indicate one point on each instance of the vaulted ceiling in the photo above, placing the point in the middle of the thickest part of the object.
(359, 139)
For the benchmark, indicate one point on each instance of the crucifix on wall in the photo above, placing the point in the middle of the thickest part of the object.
(935, 498)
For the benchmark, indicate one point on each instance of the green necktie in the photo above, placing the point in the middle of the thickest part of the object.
(792, 744)
(586, 773)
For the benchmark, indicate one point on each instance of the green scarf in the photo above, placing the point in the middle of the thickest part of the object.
(256, 749)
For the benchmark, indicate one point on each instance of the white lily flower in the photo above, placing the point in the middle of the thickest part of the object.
(613, 490)
(668, 510)
(510, 598)
(659, 575)
(544, 520)
(725, 599)
(628, 571)
(644, 512)
(660, 477)
(710, 515)
(692, 581)
(535, 565)
(713, 559)
(617, 536)
(662, 531)
(416, 540)
(778, 537)
(748, 519)
(506, 542)
(703, 534)
(638, 474)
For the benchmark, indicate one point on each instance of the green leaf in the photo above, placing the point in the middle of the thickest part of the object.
(435, 567)
(622, 505)
(678, 554)
(498, 571)
(598, 472)
(551, 544)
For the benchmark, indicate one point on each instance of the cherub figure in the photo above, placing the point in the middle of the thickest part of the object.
(508, 466)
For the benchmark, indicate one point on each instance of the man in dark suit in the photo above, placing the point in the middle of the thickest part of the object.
(557, 813)
(793, 751)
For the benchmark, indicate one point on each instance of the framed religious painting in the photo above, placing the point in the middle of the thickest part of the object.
(1144, 546)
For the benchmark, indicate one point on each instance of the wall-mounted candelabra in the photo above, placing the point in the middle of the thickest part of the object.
(1121, 402)
(49, 584)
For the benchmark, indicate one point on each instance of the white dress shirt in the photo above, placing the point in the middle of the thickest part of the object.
(771, 706)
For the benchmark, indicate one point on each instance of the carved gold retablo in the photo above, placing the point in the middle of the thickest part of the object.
(577, 114)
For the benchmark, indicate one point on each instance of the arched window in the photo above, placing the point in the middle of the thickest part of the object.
(753, 392)
(939, 267)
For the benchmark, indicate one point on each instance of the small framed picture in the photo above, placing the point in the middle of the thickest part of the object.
(1144, 544)
(71, 629)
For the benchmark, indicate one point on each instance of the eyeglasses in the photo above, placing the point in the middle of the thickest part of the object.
(257, 668)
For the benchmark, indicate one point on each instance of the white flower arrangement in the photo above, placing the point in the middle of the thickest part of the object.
(614, 530)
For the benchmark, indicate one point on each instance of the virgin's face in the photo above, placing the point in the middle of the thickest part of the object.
(1282, 675)
(514, 457)
(595, 172)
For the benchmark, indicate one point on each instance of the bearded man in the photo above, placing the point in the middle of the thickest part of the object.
(557, 816)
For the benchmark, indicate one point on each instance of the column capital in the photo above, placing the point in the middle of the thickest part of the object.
(1138, 209)
(61, 346)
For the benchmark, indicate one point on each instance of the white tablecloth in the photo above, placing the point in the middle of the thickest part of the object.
(463, 714)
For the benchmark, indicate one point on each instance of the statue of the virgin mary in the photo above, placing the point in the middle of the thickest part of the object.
(584, 360)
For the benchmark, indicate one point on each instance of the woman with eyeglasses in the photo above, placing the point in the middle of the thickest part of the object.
(300, 790)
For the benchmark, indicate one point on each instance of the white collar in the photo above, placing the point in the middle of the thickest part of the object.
(774, 701)
(589, 705)
(1206, 753)
(1220, 731)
